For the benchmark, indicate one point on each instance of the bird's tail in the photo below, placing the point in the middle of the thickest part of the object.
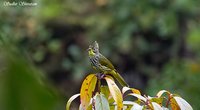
(119, 78)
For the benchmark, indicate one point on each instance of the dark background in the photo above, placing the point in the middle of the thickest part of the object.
(154, 44)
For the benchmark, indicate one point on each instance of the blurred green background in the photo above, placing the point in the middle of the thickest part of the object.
(154, 44)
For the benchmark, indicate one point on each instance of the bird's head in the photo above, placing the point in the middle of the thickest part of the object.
(93, 49)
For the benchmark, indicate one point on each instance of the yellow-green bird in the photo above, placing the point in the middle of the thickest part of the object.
(102, 64)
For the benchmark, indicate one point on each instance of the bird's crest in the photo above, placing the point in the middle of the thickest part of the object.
(93, 49)
(96, 45)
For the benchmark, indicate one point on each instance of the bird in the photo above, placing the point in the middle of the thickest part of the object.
(102, 64)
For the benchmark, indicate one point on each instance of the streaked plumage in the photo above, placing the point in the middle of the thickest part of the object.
(102, 64)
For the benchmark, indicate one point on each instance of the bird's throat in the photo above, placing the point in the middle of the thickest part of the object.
(91, 53)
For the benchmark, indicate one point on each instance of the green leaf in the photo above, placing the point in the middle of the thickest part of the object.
(157, 100)
(87, 90)
(101, 103)
(89, 107)
(115, 92)
(184, 105)
(70, 101)
(105, 91)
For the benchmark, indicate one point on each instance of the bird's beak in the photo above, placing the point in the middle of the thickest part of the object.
(88, 49)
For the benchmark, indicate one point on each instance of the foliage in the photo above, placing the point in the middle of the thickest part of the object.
(22, 86)
(113, 99)
(181, 77)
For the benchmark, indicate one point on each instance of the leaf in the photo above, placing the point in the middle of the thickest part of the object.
(126, 105)
(136, 106)
(125, 89)
(115, 92)
(157, 100)
(101, 103)
(174, 104)
(110, 99)
(184, 105)
(112, 107)
(128, 102)
(160, 93)
(156, 106)
(164, 108)
(87, 90)
(70, 101)
(132, 105)
(138, 96)
(88, 108)
(80, 107)
(105, 91)
(136, 91)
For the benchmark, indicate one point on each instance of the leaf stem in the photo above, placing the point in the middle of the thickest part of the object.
(99, 77)
(168, 100)
(99, 85)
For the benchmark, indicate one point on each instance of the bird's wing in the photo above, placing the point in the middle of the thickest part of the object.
(105, 62)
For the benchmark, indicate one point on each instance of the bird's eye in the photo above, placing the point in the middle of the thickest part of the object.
(94, 51)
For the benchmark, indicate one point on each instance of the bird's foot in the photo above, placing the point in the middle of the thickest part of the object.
(100, 75)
